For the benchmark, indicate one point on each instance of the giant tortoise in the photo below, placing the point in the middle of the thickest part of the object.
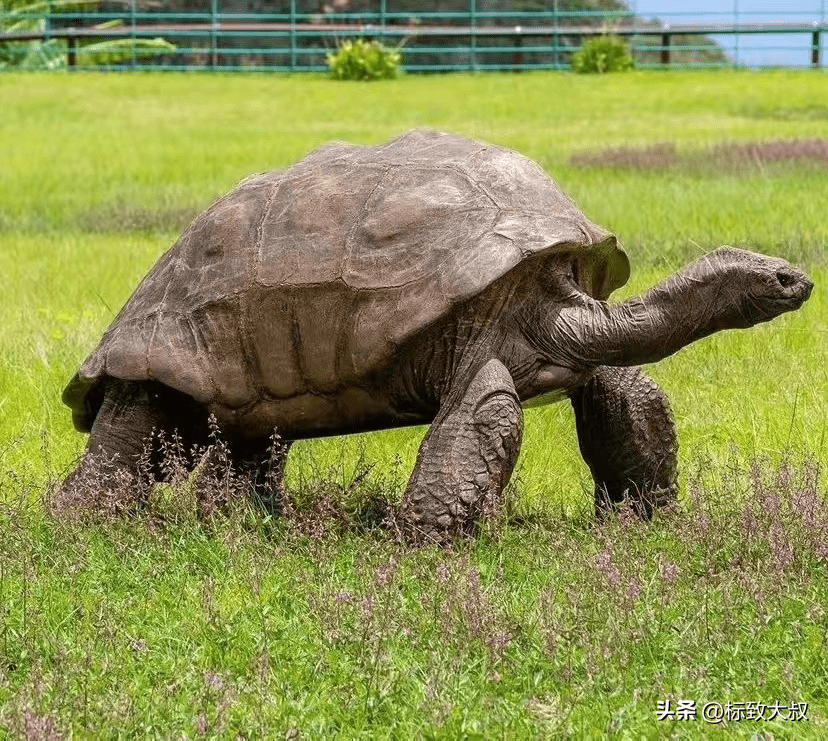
(429, 280)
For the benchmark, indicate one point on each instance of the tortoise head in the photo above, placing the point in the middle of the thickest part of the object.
(752, 288)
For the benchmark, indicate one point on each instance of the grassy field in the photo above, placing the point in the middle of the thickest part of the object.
(546, 625)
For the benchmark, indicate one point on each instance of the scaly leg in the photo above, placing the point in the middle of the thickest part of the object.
(466, 458)
(628, 439)
(116, 454)
(263, 462)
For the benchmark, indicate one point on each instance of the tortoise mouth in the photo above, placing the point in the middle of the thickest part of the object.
(795, 290)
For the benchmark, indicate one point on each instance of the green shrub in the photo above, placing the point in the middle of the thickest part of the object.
(39, 54)
(364, 60)
(603, 54)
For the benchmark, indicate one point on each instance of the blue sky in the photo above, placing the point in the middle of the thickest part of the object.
(765, 49)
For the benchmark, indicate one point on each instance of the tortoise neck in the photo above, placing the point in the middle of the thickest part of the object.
(678, 311)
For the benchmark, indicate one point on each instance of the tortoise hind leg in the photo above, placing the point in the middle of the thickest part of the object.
(466, 458)
(628, 439)
(262, 462)
(120, 463)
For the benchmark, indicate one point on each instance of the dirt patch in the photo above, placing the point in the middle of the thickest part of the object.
(651, 157)
(722, 157)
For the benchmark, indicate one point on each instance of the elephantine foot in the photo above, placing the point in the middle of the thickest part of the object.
(466, 458)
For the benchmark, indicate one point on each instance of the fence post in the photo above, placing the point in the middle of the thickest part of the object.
(665, 49)
(556, 39)
(71, 56)
(517, 55)
(47, 23)
(473, 33)
(382, 21)
(815, 50)
(213, 34)
(293, 35)
(132, 22)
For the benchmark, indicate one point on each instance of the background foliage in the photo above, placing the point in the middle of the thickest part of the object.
(603, 54)
(358, 59)
(247, 49)
(20, 16)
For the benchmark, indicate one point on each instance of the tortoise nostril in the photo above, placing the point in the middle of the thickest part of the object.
(786, 280)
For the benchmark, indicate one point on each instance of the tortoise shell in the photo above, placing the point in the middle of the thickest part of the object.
(309, 279)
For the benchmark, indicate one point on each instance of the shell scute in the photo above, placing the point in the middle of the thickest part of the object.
(303, 236)
(269, 317)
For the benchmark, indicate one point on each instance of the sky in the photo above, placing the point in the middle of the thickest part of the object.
(752, 50)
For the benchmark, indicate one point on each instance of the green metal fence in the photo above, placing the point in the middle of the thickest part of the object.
(472, 36)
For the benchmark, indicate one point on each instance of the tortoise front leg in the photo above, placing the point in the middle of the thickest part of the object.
(466, 458)
(628, 439)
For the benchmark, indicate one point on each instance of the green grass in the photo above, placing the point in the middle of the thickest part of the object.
(546, 625)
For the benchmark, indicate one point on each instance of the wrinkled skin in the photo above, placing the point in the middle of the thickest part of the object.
(555, 340)
(533, 335)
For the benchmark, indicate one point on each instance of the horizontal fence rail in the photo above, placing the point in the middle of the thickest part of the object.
(470, 39)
